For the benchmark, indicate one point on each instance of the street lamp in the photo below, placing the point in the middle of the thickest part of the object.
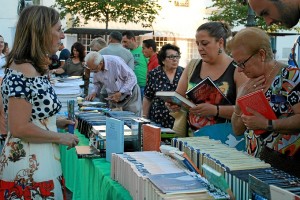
(250, 16)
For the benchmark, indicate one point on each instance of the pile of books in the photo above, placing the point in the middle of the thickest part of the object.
(68, 89)
(229, 162)
(153, 175)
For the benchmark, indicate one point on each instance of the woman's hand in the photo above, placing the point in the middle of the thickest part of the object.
(172, 107)
(255, 121)
(204, 109)
(62, 122)
(252, 85)
(69, 140)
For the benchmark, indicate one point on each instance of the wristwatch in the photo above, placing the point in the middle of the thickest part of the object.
(270, 125)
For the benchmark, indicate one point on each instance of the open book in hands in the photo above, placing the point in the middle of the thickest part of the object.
(206, 91)
(175, 98)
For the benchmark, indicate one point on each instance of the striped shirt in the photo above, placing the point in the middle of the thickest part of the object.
(116, 77)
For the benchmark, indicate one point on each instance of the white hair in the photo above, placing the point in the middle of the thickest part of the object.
(94, 55)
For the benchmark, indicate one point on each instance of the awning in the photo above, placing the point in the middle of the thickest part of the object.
(97, 31)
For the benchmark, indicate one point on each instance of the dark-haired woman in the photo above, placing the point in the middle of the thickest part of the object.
(165, 77)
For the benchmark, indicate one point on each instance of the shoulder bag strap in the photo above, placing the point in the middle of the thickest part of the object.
(192, 66)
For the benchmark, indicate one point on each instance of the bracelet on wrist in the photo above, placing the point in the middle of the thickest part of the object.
(238, 115)
(218, 110)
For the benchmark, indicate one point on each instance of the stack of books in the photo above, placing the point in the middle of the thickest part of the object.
(273, 184)
(153, 175)
(68, 89)
(229, 162)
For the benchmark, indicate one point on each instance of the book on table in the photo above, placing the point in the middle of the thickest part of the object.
(114, 137)
(88, 152)
(256, 101)
(216, 178)
(151, 137)
(175, 98)
(206, 91)
(176, 183)
(136, 129)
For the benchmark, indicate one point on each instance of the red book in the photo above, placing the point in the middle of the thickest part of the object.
(256, 101)
(151, 137)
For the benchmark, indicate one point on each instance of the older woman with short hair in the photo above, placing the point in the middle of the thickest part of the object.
(279, 144)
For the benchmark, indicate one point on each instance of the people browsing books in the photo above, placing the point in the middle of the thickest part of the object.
(279, 143)
(165, 77)
(74, 65)
(214, 63)
(119, 80)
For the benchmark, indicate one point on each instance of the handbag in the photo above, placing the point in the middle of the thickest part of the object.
(224, 133)
(180, 125)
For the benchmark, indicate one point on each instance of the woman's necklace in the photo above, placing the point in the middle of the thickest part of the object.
(275, 66)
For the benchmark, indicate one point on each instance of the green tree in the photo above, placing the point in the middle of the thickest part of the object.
(123, 11)
(235, 13)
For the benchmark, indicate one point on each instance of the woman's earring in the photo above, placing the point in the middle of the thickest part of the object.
(220, 51)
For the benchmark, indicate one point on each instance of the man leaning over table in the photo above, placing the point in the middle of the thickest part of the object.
(119, 80)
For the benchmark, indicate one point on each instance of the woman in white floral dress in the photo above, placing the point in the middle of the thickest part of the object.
(30, 161)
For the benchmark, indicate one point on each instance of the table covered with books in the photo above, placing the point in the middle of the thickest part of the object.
(89, 178)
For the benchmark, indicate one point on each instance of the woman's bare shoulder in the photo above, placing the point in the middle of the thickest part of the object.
(26, 69)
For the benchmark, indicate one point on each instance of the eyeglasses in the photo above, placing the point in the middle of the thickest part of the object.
(91, 70)
(172, 57)
(242, 64)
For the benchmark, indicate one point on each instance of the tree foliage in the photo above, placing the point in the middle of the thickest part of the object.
(122, 11)
(235, 13)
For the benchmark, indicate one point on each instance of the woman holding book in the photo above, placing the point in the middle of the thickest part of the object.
(215, 63)
(277, 141)
(165, 77)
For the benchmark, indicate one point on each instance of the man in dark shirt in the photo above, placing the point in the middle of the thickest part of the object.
(64, 54)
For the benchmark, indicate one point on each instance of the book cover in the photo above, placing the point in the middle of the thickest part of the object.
(278, 193)
(151, 137)
(136, 129)
(217, 179)
(182, 158)
(207, 92)
(175, 98)
(88, 152)
(176, 183)
(100, 130)
(256, 101)
(114, 137)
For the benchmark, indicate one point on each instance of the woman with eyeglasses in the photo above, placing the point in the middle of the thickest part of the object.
(214, 63)
(165, 77)
(279, 144)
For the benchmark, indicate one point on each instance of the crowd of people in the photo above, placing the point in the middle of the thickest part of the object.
(127, 75)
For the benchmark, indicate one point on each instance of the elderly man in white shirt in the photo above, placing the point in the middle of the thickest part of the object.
(119, 80)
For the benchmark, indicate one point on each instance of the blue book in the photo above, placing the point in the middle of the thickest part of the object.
(176, 183)
(114, 137)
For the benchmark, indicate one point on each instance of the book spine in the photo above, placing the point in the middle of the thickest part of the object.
(192, 165)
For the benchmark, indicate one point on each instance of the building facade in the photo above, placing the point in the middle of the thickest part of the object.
(176, 24)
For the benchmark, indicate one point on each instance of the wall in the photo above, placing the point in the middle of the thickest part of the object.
(8, 19)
